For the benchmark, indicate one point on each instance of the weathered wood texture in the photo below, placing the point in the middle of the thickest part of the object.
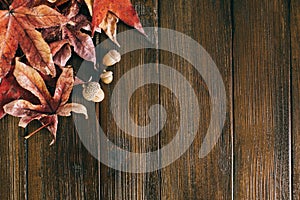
(261, 58)
(12, 160)
(255, 45)
(191, 177)
(295, 96)
(116, 184)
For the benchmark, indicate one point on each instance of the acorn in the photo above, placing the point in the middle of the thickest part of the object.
(107, 77)
(111, 58)
(92, 92)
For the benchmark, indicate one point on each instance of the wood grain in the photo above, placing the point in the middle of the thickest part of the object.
(191, 177)
(255, 45)
(261, 100)
(12, 160)
(62, 171)
(295, 111)
(121, 185)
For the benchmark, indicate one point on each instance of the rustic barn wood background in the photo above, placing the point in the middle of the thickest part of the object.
(256, 46)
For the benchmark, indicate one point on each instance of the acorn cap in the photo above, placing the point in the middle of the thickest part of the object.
(111, 58)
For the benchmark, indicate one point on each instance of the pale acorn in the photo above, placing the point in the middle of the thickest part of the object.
(92, 92)
(111, 58)
(107, 77)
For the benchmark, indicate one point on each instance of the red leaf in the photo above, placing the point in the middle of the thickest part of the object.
(31, 80)
(64, 86)
(52, 127)
(32, 3)
(57, 45)
(123, 9)
(62, 57)
(61, 52)
(18, 26)
(48, 109)
(24, 109)
(18, 3)
(66, 109)
(82, 43)
(10, 90)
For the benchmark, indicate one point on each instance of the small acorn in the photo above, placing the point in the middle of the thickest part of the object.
(111, 58)
(92, 92)
(107, 77)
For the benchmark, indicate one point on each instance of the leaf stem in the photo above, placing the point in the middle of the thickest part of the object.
(37, 130)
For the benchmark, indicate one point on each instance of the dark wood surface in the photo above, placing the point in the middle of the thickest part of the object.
(191, 177)
(256, 47)
(261, 100)
(295, 96)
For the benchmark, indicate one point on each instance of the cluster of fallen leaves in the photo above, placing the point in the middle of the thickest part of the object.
(37, 38)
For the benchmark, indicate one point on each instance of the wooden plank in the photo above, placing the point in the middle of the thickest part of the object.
(124, 185)
(12, 160)
(261, 99)
(295, 44)
(189, 177)
(62, 171)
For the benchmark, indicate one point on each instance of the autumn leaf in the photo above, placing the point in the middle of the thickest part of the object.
(109, 26)
(18, 27)
(10, 90)
(50, 107)
(82, 43)
(71, 34)
(33, 3)
(123, 9)
(61, 52)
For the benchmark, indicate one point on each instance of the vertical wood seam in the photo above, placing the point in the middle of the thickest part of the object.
(158, 59)
(26, 166)
(232, 100)
(290, 106)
